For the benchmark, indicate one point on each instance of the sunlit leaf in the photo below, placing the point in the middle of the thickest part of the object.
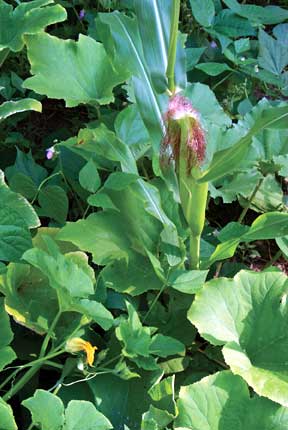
(84, 415)
(12, 107)
(47, 410)
(78, 72)
(27, 18)
(6, 417)
(248, 315)
(203, 11)
(264, 15)
(222, 401)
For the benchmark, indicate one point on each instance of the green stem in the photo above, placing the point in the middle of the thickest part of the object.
(170, 71)
(43, 183)
(155, 301)
(222, 80)
(273, 259)
(8, 379)
(35, 366)
(22, 381)
(213, 359)
(111, 360)
(247, 206)
(49, 334)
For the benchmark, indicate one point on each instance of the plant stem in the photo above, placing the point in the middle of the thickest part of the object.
(35, 366)
(170, 71)
(43, 183)
(111, 360)
(155, 301)
(49, 334)
(22, 381)
(247, 206)
(273, 259)
(213, 359)
(222, 80)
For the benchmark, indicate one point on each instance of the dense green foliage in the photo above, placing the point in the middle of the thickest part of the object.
(138, 291)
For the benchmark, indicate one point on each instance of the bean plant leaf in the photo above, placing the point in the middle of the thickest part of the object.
(222, 401)
(25, 165)
(6, 417)
(248, 315)
(47, 410)
(261, 15)
(12, 107)
(27, 18)
(267, 226)
(14, 209)
(226, 161)
(203, 11)
(213, 69)
(89, 177)
(193, 55)
(78, 72)
(229, 24)
(53, 202)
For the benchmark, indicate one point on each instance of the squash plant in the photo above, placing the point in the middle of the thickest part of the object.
(121, 307)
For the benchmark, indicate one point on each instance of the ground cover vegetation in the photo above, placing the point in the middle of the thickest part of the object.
(143, 215)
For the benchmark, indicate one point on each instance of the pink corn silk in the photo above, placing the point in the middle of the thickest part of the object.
(179, 108)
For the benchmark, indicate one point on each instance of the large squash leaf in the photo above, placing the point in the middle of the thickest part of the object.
(249, 316)
(47, 411)
(27, 18)
(78, 72)
(222, 402)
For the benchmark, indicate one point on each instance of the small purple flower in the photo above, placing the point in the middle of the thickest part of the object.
(50, 152)
(213, 44)
(82, 14)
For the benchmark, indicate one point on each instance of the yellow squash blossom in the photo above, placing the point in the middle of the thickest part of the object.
(76, 344)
